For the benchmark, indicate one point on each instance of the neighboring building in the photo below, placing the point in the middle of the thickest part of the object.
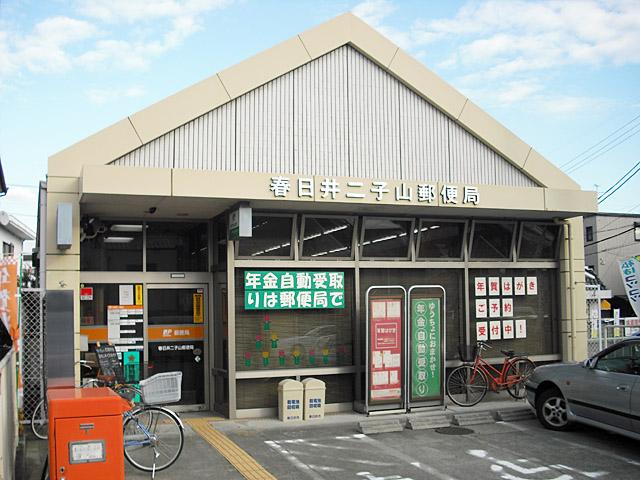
(13, 233)
(361, 168)
(608, 238)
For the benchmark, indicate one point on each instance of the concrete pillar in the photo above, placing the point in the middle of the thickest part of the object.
(573, 304)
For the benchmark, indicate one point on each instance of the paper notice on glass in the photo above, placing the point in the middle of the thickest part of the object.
(494, 286)
(395, 360)
(380, 378)
(378, 309)
(532, 285)
(482, 332)
(377, 359)
(126, 295)
(521, 328)
(481, 286)
(519, 286)
(481, 308)
(494, 307)
(507, 307)
(507, 286)
(507, 329)
(113, 324)
(393, 377)
(495, 330)
(386, 358)
(393, 308)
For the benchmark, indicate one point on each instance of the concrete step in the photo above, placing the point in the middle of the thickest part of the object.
(472, 418)
(424, 422)
(369, 427)
(515, 414)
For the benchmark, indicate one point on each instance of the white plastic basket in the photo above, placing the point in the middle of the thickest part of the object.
(162, 388)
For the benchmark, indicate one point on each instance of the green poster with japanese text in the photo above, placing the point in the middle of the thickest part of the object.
(426, 353)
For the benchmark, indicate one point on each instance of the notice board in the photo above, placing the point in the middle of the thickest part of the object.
(385, 359)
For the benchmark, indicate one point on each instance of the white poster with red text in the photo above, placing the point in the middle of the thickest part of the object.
(385, 360)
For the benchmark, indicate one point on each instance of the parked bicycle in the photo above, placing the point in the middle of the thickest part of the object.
(468, 384)
(153, 434)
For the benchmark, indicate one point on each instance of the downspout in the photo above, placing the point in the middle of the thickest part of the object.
(572, 310)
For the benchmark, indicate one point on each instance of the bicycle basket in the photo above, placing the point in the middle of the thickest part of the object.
(162, 388)
(467, 352)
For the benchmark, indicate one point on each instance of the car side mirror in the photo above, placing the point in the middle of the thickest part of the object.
(589, 362)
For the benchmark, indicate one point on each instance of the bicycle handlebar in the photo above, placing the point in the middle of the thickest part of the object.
(484, 345)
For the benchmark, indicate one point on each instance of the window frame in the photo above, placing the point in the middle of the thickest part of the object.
(410, 247)
(588, 233)
(354, 236)
(443, 259)
(510, 258)
(294, 222)
(556, 253)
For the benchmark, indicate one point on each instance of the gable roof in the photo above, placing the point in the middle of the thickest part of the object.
(156, 120)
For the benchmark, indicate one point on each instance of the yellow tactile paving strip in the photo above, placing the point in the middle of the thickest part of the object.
(241, 460)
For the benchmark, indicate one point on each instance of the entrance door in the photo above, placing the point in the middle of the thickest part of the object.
(177, 327)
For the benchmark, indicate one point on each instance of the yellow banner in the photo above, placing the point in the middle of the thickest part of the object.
(198, 314)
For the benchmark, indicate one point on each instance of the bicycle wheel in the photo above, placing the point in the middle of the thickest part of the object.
(153, 438)
(466, 386)
(40, 420)
(518, 371)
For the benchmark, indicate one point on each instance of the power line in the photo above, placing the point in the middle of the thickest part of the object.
(595, 145)
(619, 186)
(604, 194)
(609, 238)
(605, 149)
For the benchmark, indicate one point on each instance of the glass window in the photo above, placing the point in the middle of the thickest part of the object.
(177, 246)
(271, 237)
(521, 304)
(386, 237)
(111, 246)
(440, 239)
(168, 306)
(326, 237)
(492, 240)
(451, 279)
(94, 311)
(305, 338)
(589, 234)
(539, 240)
(625, 359)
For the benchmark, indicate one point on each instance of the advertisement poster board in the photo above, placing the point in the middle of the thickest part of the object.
(9, 299)
(385, 359)
(426, 353)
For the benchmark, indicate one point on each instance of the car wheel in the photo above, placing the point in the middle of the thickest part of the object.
(551, 409)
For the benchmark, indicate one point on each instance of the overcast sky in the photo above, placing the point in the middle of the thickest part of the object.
(562, 75)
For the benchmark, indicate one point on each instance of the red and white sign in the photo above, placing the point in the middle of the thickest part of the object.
(519, 286)
(482, 331)
(507, 329)
(385, 360)
(481, 286)
(494, 307)
(494, 329)
(521, 328)
(494, 286)
(532, 285)
(86, 293)
(481, 308)
(507, 307)
(507, 286)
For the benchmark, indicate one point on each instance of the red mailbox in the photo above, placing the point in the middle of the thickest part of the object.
(85, 434)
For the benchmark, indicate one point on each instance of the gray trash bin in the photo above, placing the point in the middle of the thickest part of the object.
(290, 398)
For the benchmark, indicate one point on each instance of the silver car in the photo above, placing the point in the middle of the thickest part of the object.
(603, 391)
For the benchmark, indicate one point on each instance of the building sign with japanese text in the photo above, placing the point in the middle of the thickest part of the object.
(277, 290)
(374, 191)
(426, 356)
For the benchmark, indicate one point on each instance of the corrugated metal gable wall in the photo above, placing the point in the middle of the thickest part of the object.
(340, 115)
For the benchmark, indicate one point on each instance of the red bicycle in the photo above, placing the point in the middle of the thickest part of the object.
(468, 384)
